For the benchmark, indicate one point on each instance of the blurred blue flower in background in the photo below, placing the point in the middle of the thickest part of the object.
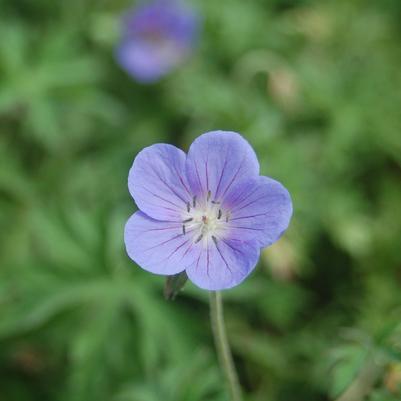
(156, 38)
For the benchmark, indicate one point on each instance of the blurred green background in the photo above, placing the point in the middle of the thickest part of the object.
(315, 86)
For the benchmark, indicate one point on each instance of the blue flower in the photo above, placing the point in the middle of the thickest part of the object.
(208, 212)
(156, 38)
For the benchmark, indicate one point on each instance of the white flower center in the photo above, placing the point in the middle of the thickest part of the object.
(204, 219)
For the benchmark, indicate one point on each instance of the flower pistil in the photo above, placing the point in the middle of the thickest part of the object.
(204, 219)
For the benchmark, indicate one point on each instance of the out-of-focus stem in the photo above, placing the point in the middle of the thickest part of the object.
(222, 346)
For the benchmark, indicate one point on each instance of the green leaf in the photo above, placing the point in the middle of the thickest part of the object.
(349, 361)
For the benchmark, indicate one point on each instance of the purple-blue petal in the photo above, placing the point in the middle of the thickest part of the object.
(260, 209)
(148, 62)
(217, 161)
(158, 184)
(158, 246)
(223, 264)
(168, 18)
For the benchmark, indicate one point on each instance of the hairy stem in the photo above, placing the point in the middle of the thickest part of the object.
(222, 346)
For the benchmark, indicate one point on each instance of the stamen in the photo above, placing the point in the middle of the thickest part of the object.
(208, 195)
(194, 201)
(183, 229)
(227, 216)
(214, 240)
(219, 215)
(215, 202)
(188, 207)
(199, 238)
(187, 220)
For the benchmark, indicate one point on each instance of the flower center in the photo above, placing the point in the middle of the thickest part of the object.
(204, 219)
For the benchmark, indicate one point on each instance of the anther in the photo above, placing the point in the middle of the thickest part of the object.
(194, 201)
(215, 202)
(209, 194)
(214, 239)
(227, 216)
(187, 220)
(199, 238)
(183, 229)
(188, 207)
(219, 215)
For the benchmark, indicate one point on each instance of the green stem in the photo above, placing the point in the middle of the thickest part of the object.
(222, 346)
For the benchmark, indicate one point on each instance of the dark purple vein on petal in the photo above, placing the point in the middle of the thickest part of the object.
(207, 161)
(207, 258)
(222, 257)
(169, 187)
(237, 201)
(197, 262)
(161, 229)
(163, 243)
(248, 217)
(234, 177)
(176, 249)
(190, 246)
(221, 177)
(248, 204)
(160, 197)
(197, 174)
(233, 248)
(207, 176)
(162, 207)
(182, 181)
(247, 228)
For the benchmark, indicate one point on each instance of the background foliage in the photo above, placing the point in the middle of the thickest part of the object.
(316, 88)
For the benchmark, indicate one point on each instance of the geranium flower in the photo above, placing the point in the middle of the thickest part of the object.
(156, 38)
(208, 212)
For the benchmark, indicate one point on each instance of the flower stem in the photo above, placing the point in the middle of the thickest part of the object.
(222, 346)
